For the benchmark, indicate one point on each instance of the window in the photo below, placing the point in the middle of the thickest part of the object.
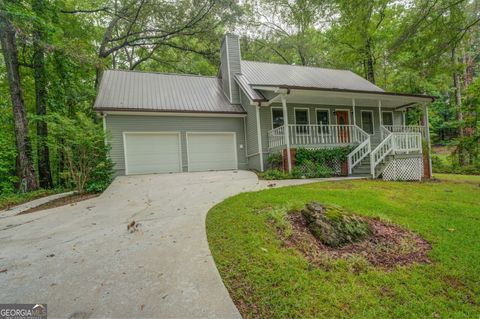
(277, 117)
(367, 121)
(301, 119)
(323, 118)
(387, 118)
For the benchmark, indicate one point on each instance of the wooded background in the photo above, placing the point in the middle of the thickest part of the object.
(54, 54)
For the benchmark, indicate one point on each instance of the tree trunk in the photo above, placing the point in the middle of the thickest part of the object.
(370, 63)
(39, 71)
(25, 169)
(458, 105)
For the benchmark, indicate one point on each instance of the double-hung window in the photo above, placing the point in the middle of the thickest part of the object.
(301, 120)
(277, 117)
(323, 118)
(367, 121)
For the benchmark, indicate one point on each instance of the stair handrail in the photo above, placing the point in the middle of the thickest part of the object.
(380, 152)
(361, 151)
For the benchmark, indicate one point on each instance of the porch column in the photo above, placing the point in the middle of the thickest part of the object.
(427, 136)
(380, 118)
(354, 116)
(286, 133)
(380, 112)
(259, 136)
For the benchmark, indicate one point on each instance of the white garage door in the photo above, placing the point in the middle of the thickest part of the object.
(147, 153)
(211, 151)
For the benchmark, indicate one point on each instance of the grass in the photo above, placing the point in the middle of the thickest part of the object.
(10, 200)
(268, 280)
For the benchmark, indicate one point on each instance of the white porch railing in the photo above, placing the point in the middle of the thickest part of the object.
(359, 153)
(395, 143)
(407, 142)
(276, 137)
(316, 135)
(406, 129)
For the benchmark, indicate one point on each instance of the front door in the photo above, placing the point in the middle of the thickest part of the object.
(342, 119)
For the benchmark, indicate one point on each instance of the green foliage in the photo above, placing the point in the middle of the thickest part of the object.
(13, 199)
(325, 156)
(274, 174)
(450, 165)
(100, 176)
(310, 169)
(8, 153)
(275, 161)
(81, 141)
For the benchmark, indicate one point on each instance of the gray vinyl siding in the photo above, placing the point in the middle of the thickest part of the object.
(230, 61)
(117, 124)
(251, 127)
(224, 70)
(234, 58)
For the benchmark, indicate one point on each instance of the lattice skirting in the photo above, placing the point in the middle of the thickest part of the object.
(404, 169)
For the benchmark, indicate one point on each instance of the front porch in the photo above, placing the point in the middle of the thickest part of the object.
(375, 129)
(394, 140)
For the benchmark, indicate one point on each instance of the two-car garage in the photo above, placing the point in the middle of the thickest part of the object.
(161, 152)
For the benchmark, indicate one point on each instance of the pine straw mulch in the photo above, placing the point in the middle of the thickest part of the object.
(388, 246)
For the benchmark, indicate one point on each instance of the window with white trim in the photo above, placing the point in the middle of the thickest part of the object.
(323, 118)
(301, 118)
(277, 117)
(367, 122)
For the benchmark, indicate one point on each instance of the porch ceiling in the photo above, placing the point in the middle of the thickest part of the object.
(343, 98)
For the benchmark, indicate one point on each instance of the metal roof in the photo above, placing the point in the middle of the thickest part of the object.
(162, 92)
(261, 73)
(252, 94)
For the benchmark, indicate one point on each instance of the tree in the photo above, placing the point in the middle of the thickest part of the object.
(135, 30)
(25, 169)
(40, 77)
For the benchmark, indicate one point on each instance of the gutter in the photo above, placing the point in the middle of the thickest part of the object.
(311, 88)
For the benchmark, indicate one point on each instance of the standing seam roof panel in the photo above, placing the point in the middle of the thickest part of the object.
(131, 90)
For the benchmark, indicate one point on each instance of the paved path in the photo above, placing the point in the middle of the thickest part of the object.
(82, 261)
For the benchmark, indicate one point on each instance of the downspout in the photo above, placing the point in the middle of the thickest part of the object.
(104, 123)
(286, 133)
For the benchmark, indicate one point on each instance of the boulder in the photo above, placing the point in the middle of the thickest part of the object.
(333, 226)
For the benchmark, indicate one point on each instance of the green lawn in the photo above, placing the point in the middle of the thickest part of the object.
(268, 280)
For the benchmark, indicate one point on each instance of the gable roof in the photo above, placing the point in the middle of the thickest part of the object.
(162, 92)
(271, 74)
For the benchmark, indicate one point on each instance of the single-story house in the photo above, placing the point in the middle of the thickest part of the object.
(160, 123)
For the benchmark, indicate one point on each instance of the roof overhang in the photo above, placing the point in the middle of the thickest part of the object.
(314, 95)
(146, 112)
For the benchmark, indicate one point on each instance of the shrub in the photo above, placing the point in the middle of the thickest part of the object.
(328, 158)
(275, 161)
(309, 169)
(272, 174)
(81, 142)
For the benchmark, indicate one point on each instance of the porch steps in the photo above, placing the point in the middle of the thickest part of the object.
(363, 168)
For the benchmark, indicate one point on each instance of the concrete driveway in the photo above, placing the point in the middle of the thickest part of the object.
(82, 261)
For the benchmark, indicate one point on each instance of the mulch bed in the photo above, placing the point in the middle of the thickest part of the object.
(70, 199)
(387, 247)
